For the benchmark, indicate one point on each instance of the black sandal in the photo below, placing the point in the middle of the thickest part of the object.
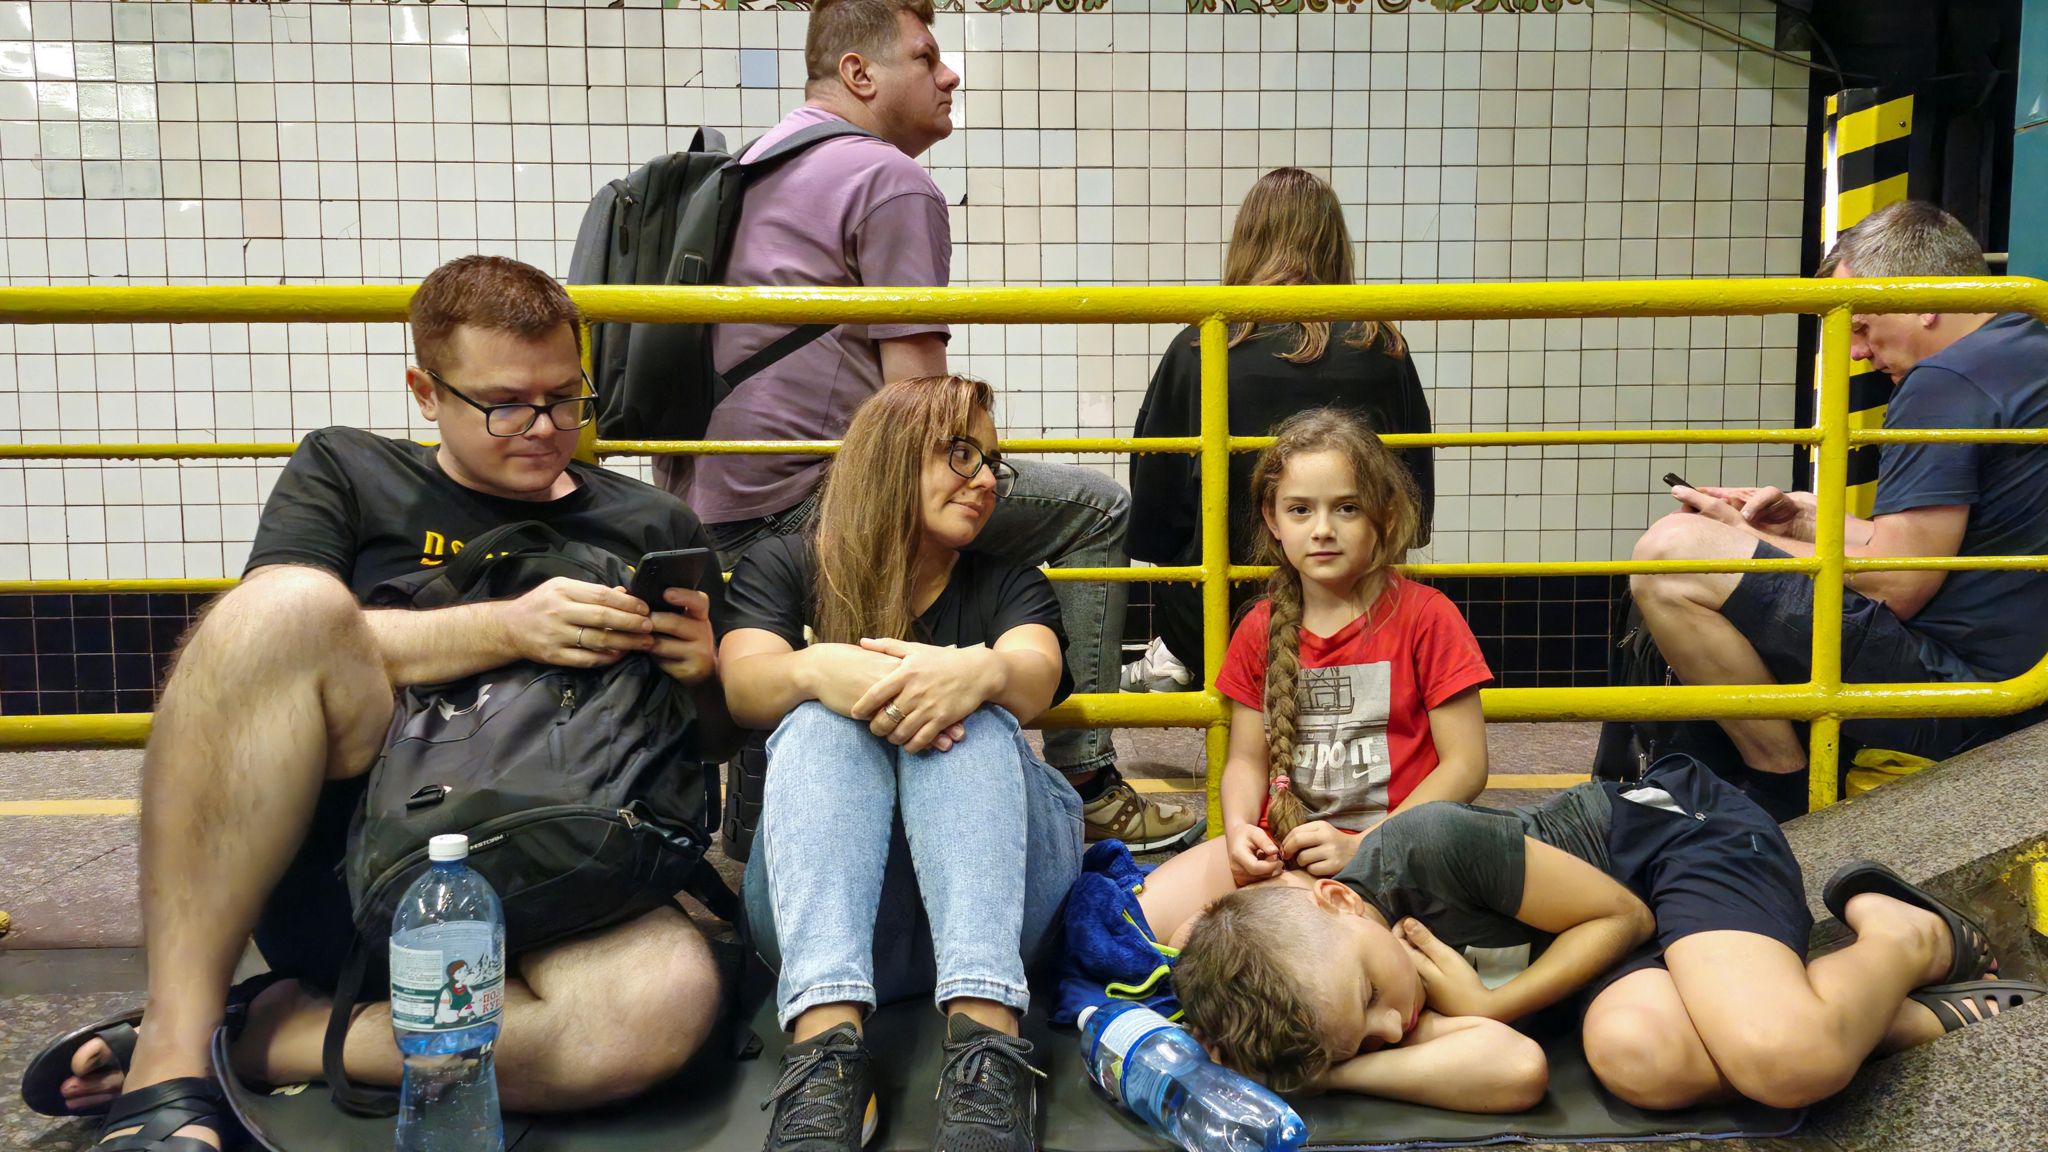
(1952, 1003)
(42, 1083)
(161, 1109)
(1973, 956)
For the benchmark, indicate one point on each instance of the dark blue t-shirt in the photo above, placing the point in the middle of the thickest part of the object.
(1996, 377)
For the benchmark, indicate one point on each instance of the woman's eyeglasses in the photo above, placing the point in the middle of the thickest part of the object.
(509, 420)
(966, 459)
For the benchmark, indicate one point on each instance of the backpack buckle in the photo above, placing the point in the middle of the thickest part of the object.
(427, 796)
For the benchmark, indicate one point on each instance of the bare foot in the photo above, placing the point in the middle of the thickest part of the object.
(1925, 934)
(95, 1079)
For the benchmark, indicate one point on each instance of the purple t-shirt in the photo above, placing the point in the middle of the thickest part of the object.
(845, 213)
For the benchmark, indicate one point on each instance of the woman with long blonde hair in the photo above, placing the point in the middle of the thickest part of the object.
(1289, 230)
(909, 839)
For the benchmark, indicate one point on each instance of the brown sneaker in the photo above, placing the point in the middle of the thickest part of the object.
(1143, 826)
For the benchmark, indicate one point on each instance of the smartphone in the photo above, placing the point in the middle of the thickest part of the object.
(657, 572)
(1675, 480)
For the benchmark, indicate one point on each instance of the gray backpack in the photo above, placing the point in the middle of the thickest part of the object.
(579, 788)
(671, 221)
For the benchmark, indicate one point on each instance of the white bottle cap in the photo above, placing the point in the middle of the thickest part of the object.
(451, 846)
(1081, 1021)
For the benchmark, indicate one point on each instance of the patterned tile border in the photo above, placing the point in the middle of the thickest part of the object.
(1274, 7)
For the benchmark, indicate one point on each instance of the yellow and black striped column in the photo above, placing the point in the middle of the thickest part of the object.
(1867, 151)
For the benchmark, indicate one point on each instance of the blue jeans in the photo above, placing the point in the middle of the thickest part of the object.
(878, 874)
(1058, 514)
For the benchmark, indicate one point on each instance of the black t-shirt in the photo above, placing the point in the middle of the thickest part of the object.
(1459, 868)
(774, 589)
(367, 508)
(1264, 390)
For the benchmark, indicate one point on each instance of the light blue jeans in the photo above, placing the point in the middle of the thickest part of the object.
(879, 874)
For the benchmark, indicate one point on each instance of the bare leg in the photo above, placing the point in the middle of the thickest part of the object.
(1683, 611)
(589, 1021)
(279, 688)
(1787, 1035)
(1179, 890)
(1642, 1047)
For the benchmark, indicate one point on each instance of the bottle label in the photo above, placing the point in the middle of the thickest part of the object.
(447, 977)
(1141, 1089)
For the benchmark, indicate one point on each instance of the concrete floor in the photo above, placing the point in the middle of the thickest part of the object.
(67, 853)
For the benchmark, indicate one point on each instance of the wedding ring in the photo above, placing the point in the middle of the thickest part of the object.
(893, 713)
(579, 639)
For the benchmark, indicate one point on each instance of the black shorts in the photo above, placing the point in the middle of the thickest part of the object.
(305, 928)
(1724, 866)
(1774, 612)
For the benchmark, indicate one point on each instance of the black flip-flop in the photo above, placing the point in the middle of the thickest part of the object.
(163, 1108)
(1973, 955)
(1952, 1003)
(42, 1082)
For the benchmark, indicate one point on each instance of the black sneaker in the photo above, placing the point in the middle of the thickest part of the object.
(988, 1091)
(824, 1101)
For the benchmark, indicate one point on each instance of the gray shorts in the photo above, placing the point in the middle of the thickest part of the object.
(1774, 612)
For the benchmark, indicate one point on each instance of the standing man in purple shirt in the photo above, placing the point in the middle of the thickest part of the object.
(860, 210)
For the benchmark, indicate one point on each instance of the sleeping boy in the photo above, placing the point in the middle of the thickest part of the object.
(1675, 904)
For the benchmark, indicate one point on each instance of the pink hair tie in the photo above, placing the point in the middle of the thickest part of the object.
(1281, 783)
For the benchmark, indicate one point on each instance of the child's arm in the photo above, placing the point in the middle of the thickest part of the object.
(1459, 733)
(1595, 920)
(1464, 1063)
(1253, 855)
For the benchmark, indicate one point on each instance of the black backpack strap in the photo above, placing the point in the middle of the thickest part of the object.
(709, 140)
(781, 346)
(798, 141)
(790, 145)
(348, 1095)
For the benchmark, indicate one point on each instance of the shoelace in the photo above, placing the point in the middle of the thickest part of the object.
(985, 1068)
(813, 1110)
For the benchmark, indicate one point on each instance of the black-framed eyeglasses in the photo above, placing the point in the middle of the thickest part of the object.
(509, 420)
(966, 459)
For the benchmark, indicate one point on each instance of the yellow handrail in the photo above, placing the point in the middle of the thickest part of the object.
(1823, 701)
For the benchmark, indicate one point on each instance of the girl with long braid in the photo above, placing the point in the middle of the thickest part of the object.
(1354, 691)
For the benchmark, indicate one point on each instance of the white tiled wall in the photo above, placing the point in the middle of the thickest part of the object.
(301, 142)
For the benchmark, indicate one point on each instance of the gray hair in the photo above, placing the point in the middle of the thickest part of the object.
(1909, 238)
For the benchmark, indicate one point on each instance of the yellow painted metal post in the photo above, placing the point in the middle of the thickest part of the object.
(1831, 413)
(1215, 542)
(586, 441)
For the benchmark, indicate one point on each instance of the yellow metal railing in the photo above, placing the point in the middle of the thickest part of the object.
(1823, 701)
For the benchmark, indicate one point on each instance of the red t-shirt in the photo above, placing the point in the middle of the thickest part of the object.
(1362, 728)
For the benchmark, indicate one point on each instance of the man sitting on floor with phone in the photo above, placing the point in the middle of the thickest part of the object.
(1951, 371)
(279, 703)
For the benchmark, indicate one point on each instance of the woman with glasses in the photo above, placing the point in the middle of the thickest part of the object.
(910, 841)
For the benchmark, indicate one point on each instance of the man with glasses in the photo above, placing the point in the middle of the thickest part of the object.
(280, 700)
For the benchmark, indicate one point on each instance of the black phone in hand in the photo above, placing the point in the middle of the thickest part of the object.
(657, 572)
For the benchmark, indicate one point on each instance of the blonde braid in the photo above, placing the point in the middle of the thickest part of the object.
(1284, 809)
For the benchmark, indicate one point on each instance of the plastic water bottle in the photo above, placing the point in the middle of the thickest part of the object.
(447, 990)
(1155, 1069)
